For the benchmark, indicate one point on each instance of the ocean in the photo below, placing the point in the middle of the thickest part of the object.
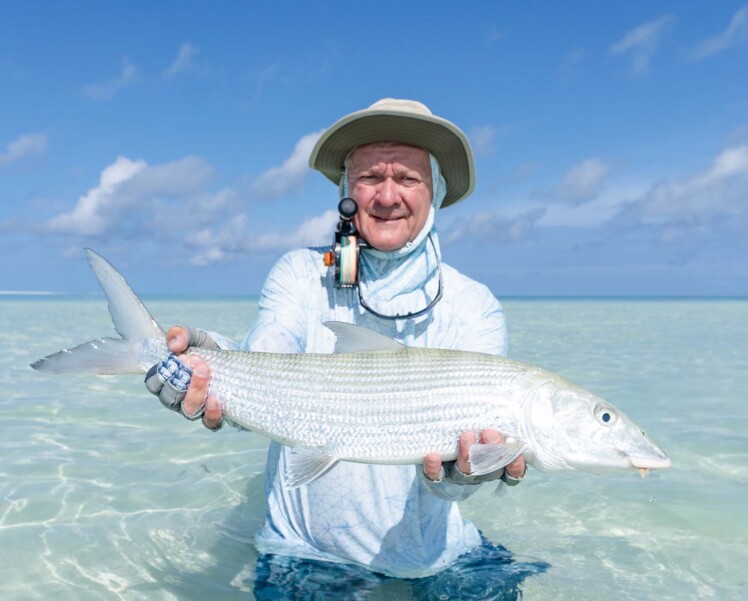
(106, 495)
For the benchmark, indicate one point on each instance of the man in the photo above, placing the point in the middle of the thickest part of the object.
(400, 164)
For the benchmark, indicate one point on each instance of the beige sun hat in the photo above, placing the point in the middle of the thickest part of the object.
(407, 122)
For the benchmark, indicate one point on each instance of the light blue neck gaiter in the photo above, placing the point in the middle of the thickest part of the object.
(406, 280)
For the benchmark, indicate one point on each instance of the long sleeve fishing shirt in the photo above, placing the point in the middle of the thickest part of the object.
(388, 518)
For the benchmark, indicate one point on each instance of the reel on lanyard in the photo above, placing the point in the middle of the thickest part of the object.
(346, 245)
(344, 256)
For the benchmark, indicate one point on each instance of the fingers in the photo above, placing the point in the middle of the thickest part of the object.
(212, 419)
(516, 469)
(197, 393)
(432, 466)
(491, 437)
(177, 339)
(467, 439)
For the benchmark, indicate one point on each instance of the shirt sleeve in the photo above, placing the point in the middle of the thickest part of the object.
(282, 319)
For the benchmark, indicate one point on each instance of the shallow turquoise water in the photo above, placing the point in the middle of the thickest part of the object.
(105, 495)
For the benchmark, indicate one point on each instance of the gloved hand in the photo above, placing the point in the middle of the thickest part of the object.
(458, 471)
(181, 383)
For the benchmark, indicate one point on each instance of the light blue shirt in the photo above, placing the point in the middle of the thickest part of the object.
(387, 518)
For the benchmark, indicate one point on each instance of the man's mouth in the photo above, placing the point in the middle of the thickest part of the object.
(387, 217)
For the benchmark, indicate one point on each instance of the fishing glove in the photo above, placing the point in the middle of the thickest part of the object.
(170, 379)
(453, 474)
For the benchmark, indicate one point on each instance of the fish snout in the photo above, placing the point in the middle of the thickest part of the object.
(650, 462)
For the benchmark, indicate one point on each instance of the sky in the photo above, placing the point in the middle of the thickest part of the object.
(611, 138)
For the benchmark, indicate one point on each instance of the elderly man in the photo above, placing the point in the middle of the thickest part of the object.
(401, 164)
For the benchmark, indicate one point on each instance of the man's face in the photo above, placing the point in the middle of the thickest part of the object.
(391, 183)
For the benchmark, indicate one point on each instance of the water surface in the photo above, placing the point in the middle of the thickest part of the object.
(105, 495)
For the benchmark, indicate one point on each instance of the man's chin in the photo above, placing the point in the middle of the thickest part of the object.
(387, 244)
(386, 236)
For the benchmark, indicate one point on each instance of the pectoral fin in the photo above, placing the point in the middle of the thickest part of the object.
(487, 458)
(350, 338)
(304, 466)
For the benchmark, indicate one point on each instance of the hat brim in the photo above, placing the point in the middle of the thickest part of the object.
(436, 135)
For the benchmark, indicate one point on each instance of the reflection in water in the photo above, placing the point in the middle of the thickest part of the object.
(488, 573)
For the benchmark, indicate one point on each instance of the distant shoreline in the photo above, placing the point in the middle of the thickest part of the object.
(28, 293)
(50, 295)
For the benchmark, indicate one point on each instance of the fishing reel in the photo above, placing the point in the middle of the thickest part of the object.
(346, 246)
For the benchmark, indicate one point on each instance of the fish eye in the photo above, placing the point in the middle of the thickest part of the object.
(605, 415)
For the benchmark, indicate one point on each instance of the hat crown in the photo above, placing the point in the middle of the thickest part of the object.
(404, 122)
(400, 105)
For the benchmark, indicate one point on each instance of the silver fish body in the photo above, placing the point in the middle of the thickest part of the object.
(386, 404)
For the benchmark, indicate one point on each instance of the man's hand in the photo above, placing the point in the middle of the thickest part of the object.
(432, 464)
(178, 340)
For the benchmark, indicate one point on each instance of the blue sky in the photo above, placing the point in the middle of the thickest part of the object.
(611, 138)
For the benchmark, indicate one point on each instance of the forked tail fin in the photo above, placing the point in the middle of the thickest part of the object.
(132, 321)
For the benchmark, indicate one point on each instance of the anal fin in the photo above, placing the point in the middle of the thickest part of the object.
(304, 466)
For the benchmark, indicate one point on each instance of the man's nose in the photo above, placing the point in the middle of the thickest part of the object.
(388, 192)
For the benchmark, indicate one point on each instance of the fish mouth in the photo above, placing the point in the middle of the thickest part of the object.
(650, 463)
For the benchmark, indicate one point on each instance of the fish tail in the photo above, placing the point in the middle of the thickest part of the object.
(138, 330)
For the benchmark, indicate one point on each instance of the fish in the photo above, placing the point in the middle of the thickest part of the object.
(374, 400)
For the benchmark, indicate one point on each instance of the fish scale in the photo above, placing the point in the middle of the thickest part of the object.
(399, 424)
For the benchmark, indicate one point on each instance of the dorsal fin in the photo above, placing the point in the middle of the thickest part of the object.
(357, 339)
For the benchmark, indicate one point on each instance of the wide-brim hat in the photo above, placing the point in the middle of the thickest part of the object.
(406, 122)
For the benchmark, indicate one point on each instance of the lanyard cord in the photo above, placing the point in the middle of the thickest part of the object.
(409, 315)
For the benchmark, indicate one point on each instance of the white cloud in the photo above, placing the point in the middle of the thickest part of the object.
(22, 147)
(129, 192)
(316, 231)
(218, 244)
(111, 87)
(721, 192)
(183, 63)
(736, 32)
(642, 42)
(278, 181)
(482, 139)
(171, 205)
(487, 227)
(582, 182)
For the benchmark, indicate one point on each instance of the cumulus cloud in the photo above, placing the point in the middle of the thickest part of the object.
(215, 245)
(129, 192)
(736, 32)
(111, 87)
(184, 62)
(582, 182)
(22, 147)
(171, 204)
(487, 227)
(718, 193)
(642, 43)
(278, 181)
(482, 139)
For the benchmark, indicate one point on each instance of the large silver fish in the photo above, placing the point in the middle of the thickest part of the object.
(377, 401)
